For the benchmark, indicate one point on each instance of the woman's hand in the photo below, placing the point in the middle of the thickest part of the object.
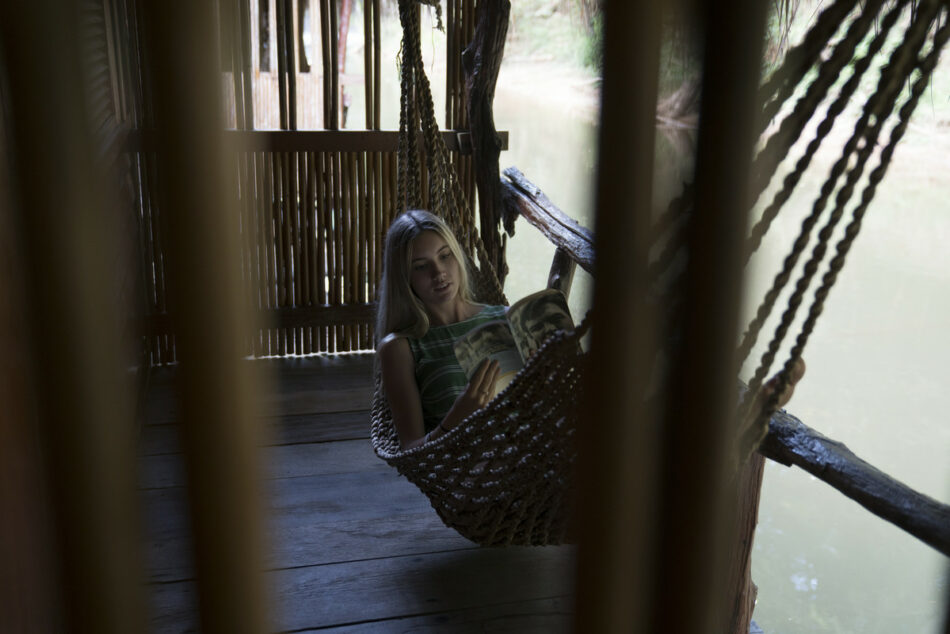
(477, 394)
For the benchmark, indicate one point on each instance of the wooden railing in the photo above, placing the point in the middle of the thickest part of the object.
(314, 208)
(789, 441)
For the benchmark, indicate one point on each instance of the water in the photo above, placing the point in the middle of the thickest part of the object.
(876, 375)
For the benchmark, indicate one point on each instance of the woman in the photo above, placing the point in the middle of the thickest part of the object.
(425, 304)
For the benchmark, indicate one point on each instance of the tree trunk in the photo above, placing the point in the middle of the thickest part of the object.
(481, 61)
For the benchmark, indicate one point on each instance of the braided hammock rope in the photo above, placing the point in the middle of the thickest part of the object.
(504, 476)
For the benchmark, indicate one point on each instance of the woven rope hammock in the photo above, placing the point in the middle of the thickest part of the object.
(504, 476)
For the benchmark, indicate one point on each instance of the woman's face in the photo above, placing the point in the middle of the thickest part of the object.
(434, 273)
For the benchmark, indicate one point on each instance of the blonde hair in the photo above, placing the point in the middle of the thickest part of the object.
(398, 309)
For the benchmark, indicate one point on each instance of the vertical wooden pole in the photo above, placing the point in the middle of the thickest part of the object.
(696, 512)
(220, 438)
(618, 439)
(72, 359)
(27, 543)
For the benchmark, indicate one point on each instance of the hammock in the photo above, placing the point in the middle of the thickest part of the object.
(504, 476)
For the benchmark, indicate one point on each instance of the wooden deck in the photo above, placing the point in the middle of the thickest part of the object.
(353, 546)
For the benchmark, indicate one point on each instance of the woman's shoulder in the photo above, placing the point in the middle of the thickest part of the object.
(394, 349)
(392, 342)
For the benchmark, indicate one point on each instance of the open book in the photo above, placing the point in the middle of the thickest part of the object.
(512, 340)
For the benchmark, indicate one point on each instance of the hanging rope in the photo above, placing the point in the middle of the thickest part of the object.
(445, 195)
(782, 196)
(904, 61)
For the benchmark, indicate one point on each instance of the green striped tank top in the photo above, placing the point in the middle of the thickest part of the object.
(438, 374)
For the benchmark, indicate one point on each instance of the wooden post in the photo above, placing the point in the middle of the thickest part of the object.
(220, 437)
(27, 545)
(697, 513)
(617, 435)
(740, 591)
(562, 272)
(75, 404)
(481, 61)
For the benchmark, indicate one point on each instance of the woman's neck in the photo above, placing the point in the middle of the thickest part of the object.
(451, 313)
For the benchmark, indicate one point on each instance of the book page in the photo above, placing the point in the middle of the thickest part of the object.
(492, 340)
(536, 317)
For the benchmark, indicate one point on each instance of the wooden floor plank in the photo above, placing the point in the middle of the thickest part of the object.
(353, 546)
(353, 592)
(540, 616)
(281, 461)
(313, 520)
(283, 430)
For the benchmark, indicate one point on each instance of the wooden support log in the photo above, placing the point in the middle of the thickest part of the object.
(562, 272)
(791, 442)
(481, 61)
(522, 197)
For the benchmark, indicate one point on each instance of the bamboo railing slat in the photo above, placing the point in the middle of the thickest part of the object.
(340, 336)
(334, 123)
(322, 248)
(353, 263)
(270, 236)
(282, 63)
(362, 213)
(287, 263)
(293, 213)
(326, 61)
(377, 53)
(368, 53)
(261, 247)
(248, 86)
(249, 229)
(307, 268)
(290, 41)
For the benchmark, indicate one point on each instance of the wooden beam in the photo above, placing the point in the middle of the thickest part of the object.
(791, 442)
(313, 140)
(523, 197)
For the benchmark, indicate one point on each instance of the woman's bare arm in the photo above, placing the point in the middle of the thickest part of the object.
(399, 384)
(405, 403)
